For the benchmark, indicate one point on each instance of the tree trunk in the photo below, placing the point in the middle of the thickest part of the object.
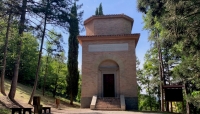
(71, 98)
(159, 100)
(39, 58)
(56, 82)
(160, 72)
(45, 75)
(148, 86)
(16, 69)
(187, 103)
(4, 56)
(54, 91)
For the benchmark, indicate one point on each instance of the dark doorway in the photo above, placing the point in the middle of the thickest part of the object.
(108, 85)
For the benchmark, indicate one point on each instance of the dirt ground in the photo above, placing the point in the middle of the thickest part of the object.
(88, 111)
(23, 94)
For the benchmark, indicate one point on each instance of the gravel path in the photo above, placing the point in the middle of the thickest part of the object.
(88, 111)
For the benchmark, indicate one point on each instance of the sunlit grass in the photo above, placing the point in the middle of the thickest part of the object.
(23, 95)
(5, 111)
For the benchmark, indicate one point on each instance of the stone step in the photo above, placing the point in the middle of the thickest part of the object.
(109, 109)
(108, 104)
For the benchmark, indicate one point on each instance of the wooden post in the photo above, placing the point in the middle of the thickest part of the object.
(38, 109)
(57, 102)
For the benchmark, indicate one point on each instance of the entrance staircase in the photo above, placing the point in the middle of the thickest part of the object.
(108, 103)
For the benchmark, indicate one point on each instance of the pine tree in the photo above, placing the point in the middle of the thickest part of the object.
(17, 63)
(72, 63)
(54, 13)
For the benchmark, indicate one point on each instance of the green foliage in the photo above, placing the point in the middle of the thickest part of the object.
(144, 103)
(5, 111)
(99, 10)
(174, 30)
(29, 57)
(78, 97)
(29, 53)
(72, 63)
(26, 31)
(56, 11)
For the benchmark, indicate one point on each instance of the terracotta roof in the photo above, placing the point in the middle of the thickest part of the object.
(108, 16)
(109, 37)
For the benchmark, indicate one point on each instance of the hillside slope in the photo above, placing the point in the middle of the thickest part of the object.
(23, 94)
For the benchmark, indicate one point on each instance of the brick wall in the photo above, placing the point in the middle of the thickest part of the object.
(125, 60)
(108, 26)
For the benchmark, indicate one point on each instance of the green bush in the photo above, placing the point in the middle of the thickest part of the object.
(5, 111)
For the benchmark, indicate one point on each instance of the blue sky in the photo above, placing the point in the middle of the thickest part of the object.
(128, 7)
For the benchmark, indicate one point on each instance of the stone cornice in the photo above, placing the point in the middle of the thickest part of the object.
(109, 37)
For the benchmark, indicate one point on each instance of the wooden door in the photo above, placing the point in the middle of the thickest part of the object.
(109, 85)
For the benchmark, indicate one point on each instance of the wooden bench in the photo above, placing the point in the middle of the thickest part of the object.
(27, 110)
(19, 110)
(46, 108)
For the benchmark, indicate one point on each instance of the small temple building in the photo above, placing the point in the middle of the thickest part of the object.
(109, 63)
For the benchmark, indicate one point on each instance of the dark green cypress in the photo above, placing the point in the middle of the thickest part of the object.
(100, 9)
(97, 12)
(72, 63)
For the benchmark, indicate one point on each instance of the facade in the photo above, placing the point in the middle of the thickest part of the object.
(109, 60)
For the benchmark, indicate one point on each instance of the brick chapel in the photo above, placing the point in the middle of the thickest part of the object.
(109, 63)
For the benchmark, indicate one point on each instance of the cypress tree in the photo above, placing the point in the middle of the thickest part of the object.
(100, 9)
(97, 12)
(72, 63)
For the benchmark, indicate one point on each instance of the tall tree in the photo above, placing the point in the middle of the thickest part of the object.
(5, 54)
(176, 24)
(17, 63)
(7, 11)
(97, 11)
(100, 9)
(40, 52)
(154, 10)
(53, 41)
(72, 63)
(54, 13)
(49, 50)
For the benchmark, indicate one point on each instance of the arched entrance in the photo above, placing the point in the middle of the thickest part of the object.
(108, 79)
